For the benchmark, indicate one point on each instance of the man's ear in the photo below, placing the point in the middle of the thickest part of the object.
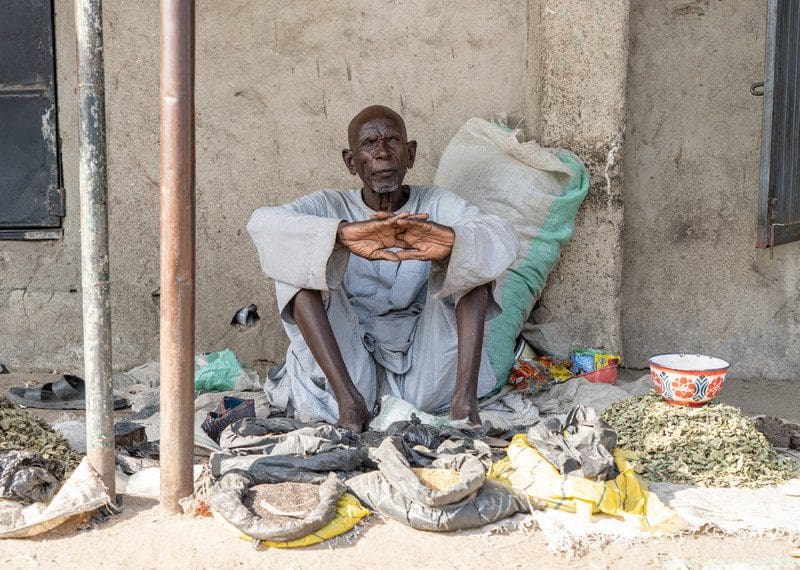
(411, 152)
(347, 157)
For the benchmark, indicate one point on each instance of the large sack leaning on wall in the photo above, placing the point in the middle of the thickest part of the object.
(397, 492)
(538, 190)
(226, 499)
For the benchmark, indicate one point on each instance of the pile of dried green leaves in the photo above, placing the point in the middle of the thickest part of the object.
(711, 446)
(20, 429)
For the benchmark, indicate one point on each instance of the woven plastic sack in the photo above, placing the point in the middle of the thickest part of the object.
(538, 190)
(226, 500)
(625, 497)
(394, 465)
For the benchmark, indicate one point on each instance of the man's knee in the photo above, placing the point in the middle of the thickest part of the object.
(305, 300)
(475, 300)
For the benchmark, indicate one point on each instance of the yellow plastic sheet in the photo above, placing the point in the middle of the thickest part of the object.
(349, 512)
(626, 496)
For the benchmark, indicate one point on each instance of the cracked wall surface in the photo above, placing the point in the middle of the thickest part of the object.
(693, 280)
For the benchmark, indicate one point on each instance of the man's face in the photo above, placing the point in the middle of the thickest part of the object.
(380, 154)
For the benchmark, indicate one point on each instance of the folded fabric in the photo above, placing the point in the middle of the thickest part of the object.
(230, 410)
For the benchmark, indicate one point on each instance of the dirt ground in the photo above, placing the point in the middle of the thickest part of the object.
(142, 536)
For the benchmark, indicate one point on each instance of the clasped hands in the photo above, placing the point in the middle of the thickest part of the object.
(415, 236)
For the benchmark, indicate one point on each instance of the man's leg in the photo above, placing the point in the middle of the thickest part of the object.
(449, 368)
(309, 313)
(470, 321)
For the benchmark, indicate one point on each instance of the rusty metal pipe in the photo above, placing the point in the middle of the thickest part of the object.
(177, 251)
(94, 241)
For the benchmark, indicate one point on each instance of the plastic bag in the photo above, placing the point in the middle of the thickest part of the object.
(394, 409)
(28, 477)
(580, 445)
(221, 372)
(626, 497)
(414, 432)
(145, 483)
(547, 334)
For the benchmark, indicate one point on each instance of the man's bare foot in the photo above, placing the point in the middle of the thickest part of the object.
(353, 416)
(465, 410)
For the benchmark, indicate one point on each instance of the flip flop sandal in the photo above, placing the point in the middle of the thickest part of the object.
(66, 393)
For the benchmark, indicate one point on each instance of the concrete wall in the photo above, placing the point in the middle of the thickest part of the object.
(693, 279)
(578, 102)
(276, 84)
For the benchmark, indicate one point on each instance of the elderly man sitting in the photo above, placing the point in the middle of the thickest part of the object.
(383, 289)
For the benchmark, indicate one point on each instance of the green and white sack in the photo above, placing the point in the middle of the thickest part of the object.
(538, 190)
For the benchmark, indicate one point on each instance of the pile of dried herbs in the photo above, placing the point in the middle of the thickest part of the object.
(711, 446)
(19, 429)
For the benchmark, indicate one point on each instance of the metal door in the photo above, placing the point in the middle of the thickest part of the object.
(30, 193)
(779, 204)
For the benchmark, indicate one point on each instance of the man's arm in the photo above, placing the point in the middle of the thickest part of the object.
(483, 248)
(298, 248)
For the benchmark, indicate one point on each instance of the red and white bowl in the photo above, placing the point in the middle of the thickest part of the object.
(688, 379)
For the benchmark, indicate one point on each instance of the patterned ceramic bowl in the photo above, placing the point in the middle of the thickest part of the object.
(688, 379)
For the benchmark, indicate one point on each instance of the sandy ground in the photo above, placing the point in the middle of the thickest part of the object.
(142, 536)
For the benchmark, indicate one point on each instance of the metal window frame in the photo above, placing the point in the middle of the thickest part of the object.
(25, 232)
(772, 230)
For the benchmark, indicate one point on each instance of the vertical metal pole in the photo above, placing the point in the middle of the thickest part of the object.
(94, 241)
(177, 251)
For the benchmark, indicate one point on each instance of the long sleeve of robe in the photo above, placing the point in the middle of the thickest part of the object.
(297, 242)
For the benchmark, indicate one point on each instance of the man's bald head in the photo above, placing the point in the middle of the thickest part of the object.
(371, 113)
(379, 151)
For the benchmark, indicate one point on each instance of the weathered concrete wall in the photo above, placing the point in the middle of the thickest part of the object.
(276, 84)
(581, 51)
(693, 279)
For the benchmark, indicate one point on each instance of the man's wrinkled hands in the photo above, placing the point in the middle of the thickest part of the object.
(412, 236)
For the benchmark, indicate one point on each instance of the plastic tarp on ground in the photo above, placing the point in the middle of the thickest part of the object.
(395, 491)
(82, 492)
